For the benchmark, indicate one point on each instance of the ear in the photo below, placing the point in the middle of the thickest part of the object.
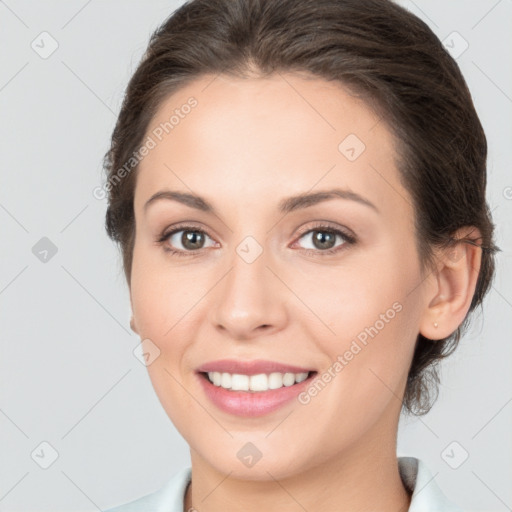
(450, 287)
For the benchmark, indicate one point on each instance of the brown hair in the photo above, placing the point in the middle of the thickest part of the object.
(374, 48)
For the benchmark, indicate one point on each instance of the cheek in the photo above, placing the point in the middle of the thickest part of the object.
(160, 301)
(157, 294)
(167, 305)
(353, 295)
(372, 320)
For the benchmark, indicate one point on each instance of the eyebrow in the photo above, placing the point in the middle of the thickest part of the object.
(287, 205)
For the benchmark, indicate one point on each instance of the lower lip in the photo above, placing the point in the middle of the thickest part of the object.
(250, 404)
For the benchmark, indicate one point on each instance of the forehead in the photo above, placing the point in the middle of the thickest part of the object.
(268, 137)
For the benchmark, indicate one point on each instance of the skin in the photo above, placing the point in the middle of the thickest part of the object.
(248, 144)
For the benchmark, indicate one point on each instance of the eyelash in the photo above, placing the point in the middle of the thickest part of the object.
(349, 239)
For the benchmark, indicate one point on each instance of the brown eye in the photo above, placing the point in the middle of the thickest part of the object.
(324, 239)
(191, 239)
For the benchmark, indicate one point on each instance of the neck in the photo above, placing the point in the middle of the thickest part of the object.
(363, 478)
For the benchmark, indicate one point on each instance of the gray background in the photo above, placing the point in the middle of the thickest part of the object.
(68, 376)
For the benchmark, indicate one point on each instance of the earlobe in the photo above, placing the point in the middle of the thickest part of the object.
(132, 319)
(452, 286)
(132, 325)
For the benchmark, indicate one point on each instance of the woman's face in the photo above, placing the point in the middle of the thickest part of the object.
(270, 283)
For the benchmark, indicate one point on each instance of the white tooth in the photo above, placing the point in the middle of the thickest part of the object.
(225, 380)
(275, 380)
(258, 382)
(299, 377)
(289, 379)
(239, 382)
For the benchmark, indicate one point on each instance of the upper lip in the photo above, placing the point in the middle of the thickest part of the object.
(253, 367)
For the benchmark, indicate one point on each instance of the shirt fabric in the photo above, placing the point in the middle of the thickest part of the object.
(426, 494)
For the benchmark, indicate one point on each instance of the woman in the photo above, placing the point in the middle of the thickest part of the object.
(298, 191)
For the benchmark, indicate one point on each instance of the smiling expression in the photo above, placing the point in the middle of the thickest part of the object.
(265, 272)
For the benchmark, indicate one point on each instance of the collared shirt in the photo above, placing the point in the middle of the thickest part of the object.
(426, 494)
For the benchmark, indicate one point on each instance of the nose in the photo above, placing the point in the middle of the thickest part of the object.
(250, 300)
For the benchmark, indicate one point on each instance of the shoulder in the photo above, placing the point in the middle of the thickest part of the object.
(427, 496)
(168, 498)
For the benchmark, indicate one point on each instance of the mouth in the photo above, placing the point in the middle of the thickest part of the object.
(258, 383)
(255, 395)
